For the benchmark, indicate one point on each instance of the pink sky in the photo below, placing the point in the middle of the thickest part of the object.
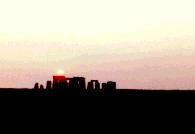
(140, 44)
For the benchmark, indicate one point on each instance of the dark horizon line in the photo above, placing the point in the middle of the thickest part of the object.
(116, 89)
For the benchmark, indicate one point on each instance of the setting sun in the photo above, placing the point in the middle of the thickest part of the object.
(60, 72)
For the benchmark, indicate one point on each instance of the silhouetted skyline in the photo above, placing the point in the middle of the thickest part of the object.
(76, 86)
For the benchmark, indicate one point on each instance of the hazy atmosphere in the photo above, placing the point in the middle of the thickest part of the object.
(138, 43)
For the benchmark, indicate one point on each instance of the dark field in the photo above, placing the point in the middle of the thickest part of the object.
(119, 93)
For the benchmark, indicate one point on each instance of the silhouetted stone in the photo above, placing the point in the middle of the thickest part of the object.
(36, 87)
(109, 88)
(90, 90)
(78, 86)
(59, 82)
(93, 88)
(49, 85)
(104, 85)
(41, 87)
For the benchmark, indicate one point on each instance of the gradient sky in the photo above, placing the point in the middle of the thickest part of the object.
(138, 43)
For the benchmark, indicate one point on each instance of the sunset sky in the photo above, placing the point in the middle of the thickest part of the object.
(138, 43)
